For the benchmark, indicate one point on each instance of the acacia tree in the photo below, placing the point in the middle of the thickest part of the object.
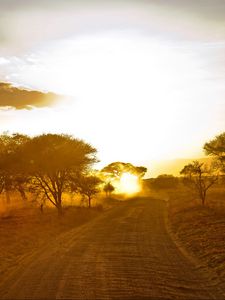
(113, 172)
(53, 160)
(116, 169)
(200, 177)
(108, 189)
(88, 186)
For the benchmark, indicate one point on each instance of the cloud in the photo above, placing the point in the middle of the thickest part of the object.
(4, 61)
(20, 98)
(28, 24)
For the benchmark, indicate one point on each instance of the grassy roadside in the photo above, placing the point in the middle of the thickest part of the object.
(200, 230)
(23, 231)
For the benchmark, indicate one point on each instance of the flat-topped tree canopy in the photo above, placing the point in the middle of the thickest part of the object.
(116, 169)
(53, 160)
(58, 152)
(124, 177)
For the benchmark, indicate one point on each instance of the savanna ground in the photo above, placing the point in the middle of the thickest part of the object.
(200, 230)
(24, 228)
(126, 253)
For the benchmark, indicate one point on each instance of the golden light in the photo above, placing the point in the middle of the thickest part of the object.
(94, 71)
(128, 184)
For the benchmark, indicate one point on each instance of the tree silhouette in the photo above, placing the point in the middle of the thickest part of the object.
(108, 189)
(88, 186)
(12, 175)
(216, 149)
(52, 160)
(116, 169)
(200, 177)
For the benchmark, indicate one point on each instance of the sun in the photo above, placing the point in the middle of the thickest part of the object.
(128, 184)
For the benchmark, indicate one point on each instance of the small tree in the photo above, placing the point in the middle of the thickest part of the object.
(88, 186)
(108, 189)
(200, 177)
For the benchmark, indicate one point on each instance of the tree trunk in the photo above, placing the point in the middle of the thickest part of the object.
(60, 210)
(58, 203)
(203, 198)
(42, 208)
(8, 201)
(22, 194)
(89, 202)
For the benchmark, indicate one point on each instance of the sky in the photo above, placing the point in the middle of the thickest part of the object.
(141, 81)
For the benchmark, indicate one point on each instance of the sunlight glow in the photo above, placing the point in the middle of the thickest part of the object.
(127, 85)
(125, 80)
(128, 184)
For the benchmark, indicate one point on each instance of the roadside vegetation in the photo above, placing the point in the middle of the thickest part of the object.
(199, 229)
(196, 206)
(45, 169)
(48, 185)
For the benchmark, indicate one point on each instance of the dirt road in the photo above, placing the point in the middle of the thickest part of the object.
(126, 253)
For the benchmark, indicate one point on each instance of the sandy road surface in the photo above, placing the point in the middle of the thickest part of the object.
(126, 253)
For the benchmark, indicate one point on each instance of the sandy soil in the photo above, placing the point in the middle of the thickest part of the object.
(25, 230)
(201, 230)
(126, 253)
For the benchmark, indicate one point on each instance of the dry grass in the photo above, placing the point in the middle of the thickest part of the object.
(200, 229)
(24, 230)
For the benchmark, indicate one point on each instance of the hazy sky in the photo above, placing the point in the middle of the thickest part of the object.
(144, 80)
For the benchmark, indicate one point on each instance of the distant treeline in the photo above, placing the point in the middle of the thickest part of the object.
(197, 176)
